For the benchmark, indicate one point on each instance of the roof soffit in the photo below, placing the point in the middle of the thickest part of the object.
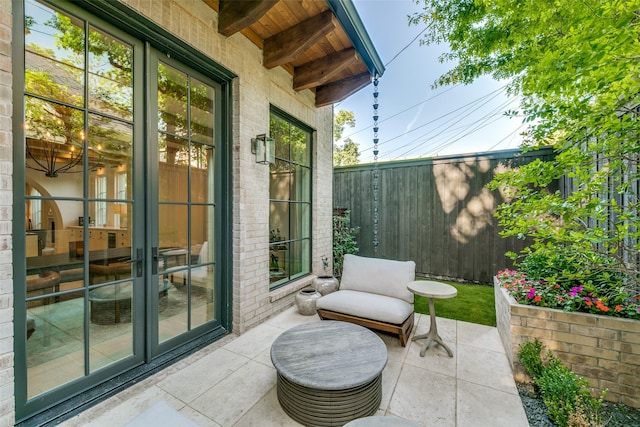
(322, 44)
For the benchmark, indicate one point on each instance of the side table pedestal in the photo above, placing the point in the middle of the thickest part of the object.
(432, 291)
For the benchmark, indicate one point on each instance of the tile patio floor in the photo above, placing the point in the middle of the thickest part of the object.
(233, 383)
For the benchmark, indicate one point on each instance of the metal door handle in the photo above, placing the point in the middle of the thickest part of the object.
(156, 258)
(139, 261)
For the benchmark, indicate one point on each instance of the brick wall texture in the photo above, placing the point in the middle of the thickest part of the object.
(602, 349)
(254, 90)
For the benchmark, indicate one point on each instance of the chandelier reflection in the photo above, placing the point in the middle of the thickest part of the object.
(55, 153)
(52, 157)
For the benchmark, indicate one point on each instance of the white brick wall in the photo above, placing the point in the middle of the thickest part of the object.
(7, 413)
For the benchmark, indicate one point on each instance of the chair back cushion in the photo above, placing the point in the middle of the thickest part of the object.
(204, 252)
(378, 276)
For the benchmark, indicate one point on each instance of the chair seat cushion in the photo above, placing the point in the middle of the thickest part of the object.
(200, 276)
(367, 305)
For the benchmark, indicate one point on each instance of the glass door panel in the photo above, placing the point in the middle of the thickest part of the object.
(81, 296)
(185, 201)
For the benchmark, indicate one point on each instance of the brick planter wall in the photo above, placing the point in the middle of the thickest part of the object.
(604, 350)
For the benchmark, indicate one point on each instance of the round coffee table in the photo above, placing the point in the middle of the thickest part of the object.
(329, 372)
(432, 290)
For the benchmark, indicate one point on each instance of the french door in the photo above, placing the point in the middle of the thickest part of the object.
(183, 200)
(120, 222)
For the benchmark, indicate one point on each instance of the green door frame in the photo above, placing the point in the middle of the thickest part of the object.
(82, 393)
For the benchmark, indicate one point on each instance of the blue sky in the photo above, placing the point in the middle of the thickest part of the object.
(415, 120)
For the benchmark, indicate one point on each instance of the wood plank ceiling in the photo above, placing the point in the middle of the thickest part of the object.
(307, 39)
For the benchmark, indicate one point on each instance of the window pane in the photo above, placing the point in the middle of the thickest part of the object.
(300, 146)
(202, 173)
(300, 228)
(52, 245)
(174, 310)
(280, 181)
(278, 264)
(279, 131)
(172, 101)
(110, 143)
(202, 285)
(110, 75)
(54, 145)
(298, 260)
(301, 184)
(173, 182)
(202, 103)
(173, 226)
(278, 221)
(54, 54)
(55, 348)
(111, 325)
(202, 238)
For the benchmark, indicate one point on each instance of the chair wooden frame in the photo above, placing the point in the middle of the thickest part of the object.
(403, 330)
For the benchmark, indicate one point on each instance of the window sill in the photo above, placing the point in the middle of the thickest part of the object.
(290, 288)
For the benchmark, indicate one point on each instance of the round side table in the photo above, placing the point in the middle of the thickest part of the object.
(432, 291)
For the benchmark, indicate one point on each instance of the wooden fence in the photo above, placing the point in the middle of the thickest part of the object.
(437, 212)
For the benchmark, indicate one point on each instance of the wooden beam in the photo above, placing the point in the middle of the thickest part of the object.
(291, 43)
(320, 71)
(337, 91)
(234, 15)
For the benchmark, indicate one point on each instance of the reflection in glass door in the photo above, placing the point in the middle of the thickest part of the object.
(82, 281)
(185, 223)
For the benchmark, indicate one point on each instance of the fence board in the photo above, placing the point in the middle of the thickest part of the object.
(437, 212)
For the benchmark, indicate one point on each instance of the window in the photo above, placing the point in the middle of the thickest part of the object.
(101, 206)
(35, 217)
(289, 200)
(121, 186)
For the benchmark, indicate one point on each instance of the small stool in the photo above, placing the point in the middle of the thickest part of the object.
(432, 290)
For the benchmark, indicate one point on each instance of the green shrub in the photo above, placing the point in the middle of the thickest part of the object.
(566, 395)
(569, 267)
(344, 241)
(530, 357)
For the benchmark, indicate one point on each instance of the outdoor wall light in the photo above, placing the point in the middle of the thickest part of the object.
(264, 148)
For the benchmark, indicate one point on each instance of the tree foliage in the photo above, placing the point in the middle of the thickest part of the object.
(341, 120)
(576, 66)
(348, 154)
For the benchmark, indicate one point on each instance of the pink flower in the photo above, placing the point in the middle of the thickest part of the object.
(575, 291)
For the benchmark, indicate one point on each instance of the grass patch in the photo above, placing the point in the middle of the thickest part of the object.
(474, 304)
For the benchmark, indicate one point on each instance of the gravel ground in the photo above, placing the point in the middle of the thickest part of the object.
(613, 415)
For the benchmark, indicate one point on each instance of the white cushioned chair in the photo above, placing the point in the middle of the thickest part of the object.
(373, 293)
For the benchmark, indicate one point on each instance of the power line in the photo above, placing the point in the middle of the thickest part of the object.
(460, 110)
(405, 48)
(403, 111)
(480, 123)
(522, 125)
(460, 133)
